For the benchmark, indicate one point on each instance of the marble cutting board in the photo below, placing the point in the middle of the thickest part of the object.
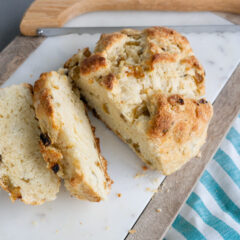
(71, 218)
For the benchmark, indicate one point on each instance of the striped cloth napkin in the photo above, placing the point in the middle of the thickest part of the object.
(213, 209)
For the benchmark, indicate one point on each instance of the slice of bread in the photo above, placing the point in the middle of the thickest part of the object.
(68, 143)
(23, 171)
(147, 87)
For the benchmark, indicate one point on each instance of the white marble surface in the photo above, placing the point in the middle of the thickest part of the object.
(69, 218)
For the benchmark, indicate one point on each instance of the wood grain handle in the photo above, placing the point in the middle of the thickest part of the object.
(55, 13)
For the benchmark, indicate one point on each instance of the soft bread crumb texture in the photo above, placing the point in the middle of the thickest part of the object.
(70, 140)
(23, 171)
(147, 87)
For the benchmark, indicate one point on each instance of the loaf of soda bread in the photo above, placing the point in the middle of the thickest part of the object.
(23, 171)
(68, 142)
(147, 86)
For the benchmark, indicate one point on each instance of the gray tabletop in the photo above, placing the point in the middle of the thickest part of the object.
(11, 12)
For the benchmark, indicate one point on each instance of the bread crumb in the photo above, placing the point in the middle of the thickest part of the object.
(151, 190)
(132, 231)
(139, 175)
(107, 228)
(158, 209)
(80, 223)
(144, 168)
(57, 231)
(119, 195)
(31, 75)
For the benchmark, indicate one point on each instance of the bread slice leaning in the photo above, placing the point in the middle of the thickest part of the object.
(147, 86)
(68, 141)
(23, 171)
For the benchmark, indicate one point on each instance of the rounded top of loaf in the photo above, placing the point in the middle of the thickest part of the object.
(133, 65)
(152, 81)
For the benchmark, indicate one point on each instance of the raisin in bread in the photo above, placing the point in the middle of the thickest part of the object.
(147, 86)
(23, 171)
(68, 141)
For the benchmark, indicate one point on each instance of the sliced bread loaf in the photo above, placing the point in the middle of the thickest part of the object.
(23, 171)
(68, 141)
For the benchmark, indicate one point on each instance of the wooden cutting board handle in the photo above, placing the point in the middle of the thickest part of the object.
(55, 13)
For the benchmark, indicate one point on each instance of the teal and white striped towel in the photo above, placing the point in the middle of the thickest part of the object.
(213, 209)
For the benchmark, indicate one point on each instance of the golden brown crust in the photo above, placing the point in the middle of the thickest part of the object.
(92, 64)
(42, 99)
(15, 192)
(52, 156)
(108, 81)
(160, 33)
(6, 184)
(161, 46)
(162, 120)
(77, 58)
(131, 32)
(157, 32)
(71, 61)
(29, 86)
(108, 40)
(44, 94)
(192, 62)
(179, 118)
(163, 57)
(86, 190)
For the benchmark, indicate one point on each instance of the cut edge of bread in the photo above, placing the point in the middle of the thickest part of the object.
(48, 94)
(21, 175)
